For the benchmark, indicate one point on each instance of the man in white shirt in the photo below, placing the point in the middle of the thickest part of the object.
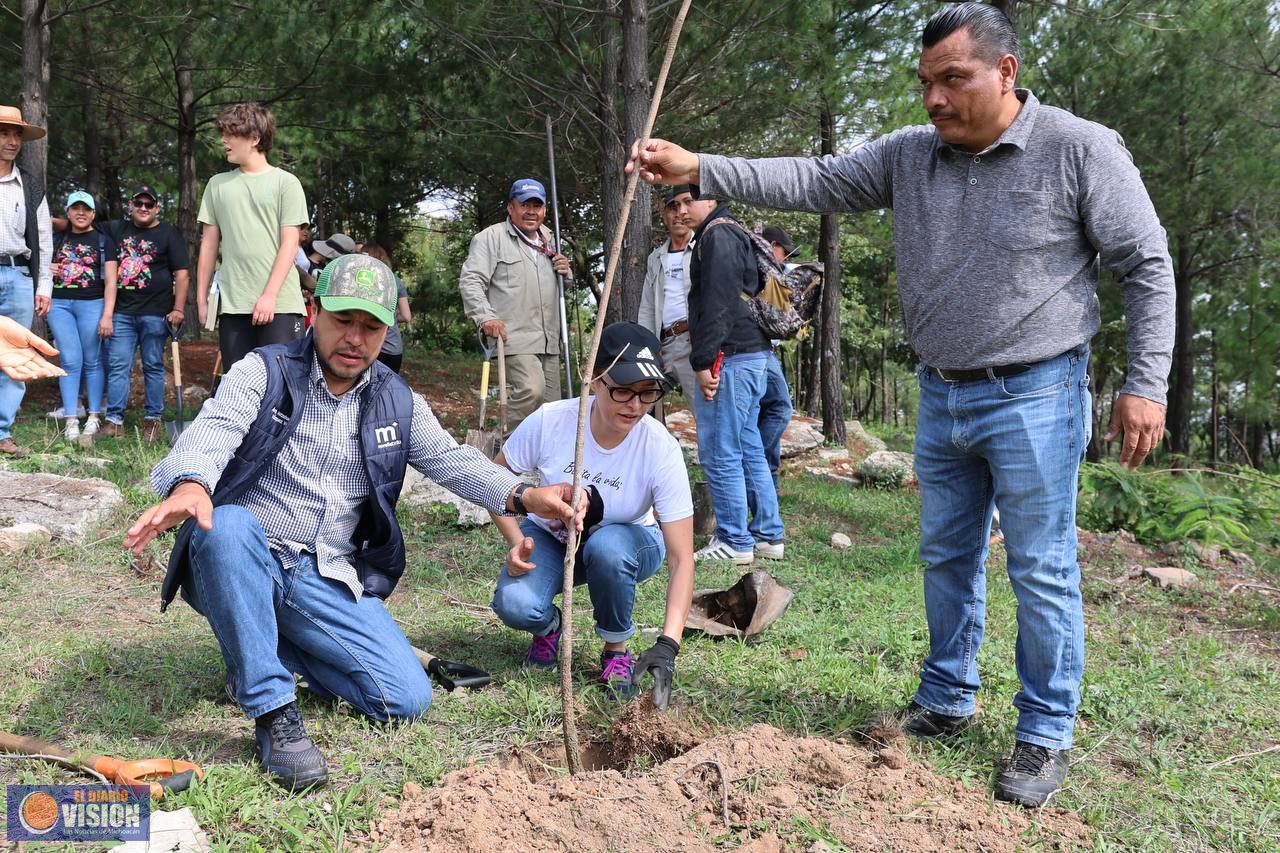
(26, 248)
(664, 306)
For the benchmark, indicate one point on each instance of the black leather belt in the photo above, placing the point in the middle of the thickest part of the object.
(13, 261)
(677, 328)
(981, 373)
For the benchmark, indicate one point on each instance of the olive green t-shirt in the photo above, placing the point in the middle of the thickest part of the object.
(249, 211)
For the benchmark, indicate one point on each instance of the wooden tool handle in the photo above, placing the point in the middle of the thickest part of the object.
(502, 388)
(177, 365)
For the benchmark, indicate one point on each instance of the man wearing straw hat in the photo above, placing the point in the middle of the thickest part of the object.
(26, 245)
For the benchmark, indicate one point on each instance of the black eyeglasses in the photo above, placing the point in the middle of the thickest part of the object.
(626, 395)
(143, 205)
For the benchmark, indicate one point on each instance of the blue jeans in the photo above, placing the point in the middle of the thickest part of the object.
(1015, 443)
(731, 453)
(136, 331)
(775, 414)
(617, 558)
(17, 302)
(271, 623)
(74, 323)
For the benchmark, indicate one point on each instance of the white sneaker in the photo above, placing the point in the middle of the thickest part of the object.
(72, 431)
(717, 550)
(770, 550)
(91, 425)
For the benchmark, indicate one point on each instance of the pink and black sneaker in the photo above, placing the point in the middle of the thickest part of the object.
(544, 652)
(615, 674)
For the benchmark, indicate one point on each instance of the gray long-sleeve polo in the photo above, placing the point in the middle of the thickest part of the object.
(998, 251)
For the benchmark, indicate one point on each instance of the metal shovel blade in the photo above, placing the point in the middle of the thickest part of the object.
(174, 428)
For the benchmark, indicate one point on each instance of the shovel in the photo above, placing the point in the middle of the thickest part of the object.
(157, 774)
(174, 428)
(488, 441)
(449, 674)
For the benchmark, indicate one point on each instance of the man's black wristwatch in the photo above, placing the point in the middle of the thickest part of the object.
(517, 501)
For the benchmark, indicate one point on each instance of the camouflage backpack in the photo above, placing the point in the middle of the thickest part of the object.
(787, 300)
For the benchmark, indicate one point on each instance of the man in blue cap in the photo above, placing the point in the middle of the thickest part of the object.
(508, 286)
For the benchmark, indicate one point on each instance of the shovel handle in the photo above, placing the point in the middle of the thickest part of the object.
(484, 390)
(177, 364)
(502, 387)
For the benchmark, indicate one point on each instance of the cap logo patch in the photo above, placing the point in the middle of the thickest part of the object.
(645, 354)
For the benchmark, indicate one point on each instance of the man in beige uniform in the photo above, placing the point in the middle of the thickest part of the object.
(664, 304)
(508, 286)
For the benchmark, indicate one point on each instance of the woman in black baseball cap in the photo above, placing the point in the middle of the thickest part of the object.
(641, 510)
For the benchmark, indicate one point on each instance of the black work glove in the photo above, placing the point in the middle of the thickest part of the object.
(661, 661)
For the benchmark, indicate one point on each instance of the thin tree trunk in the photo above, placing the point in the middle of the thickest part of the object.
(1214, 403)
(635, 93)
(829, 252)
(186, 107)
(34, 101)
(612, 184)
(1182, 387)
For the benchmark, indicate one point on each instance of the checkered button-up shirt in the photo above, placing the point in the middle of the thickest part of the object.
(308, 496)
(13, 228)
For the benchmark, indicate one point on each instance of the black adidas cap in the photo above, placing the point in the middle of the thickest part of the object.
(630, 353)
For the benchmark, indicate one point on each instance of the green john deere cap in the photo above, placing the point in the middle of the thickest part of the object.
(358, 283)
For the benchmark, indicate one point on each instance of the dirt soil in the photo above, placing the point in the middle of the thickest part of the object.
(784, 793)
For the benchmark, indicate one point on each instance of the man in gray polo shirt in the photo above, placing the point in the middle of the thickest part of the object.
(1003, 210)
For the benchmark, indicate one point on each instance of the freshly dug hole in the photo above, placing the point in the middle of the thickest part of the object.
(781, 789)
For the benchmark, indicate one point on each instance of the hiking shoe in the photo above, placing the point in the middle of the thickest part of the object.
(615, 674)
(285, 751)
(544, 652)
(71, 432)
(11, 448)
(718, 550)
(919, 721)
(770, 550)
(1032, 775)
(152, 430)
(111, 429)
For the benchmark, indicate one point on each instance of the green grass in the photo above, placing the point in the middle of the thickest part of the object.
(1177, 686)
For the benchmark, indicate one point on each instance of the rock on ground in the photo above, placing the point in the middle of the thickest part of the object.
(1169, 576)
(857, 438)
(841, 541)
(803, 434)
(423, 491)
(67, 507)
(889, 468)
(22, 535)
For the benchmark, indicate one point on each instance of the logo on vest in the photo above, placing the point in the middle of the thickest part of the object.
(279, 416)
(387, 436)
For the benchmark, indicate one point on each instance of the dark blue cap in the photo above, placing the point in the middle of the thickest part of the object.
(527, 188)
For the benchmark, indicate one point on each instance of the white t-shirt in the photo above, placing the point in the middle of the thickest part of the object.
(675, 304)
(643, 475)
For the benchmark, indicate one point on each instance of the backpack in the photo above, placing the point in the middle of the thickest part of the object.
(787, 300)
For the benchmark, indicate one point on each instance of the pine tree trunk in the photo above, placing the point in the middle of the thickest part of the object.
(829, 336)
(186, 107)
(636, 86)
(1182, 388)
(34, 101)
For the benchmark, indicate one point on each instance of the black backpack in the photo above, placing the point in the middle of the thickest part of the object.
(787, 300)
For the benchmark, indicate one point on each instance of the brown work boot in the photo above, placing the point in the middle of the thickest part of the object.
(111, 430)
(11, 448)
(152, 430)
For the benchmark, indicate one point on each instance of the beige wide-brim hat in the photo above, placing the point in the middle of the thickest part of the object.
(12, 116)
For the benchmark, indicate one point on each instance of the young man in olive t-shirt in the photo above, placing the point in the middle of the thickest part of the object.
(252, 214)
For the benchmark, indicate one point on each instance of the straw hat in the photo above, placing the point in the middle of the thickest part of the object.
(12, 116)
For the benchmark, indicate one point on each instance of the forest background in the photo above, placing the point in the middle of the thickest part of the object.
(406, 120)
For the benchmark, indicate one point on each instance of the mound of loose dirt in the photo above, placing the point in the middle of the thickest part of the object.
(783, 793)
